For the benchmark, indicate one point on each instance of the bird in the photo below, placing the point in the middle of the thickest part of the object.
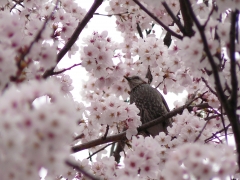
(151, 104)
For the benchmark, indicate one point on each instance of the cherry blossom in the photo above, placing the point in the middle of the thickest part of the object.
(175, 46)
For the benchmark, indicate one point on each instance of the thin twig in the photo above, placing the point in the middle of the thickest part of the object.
(109, 15)
(228, 107)
(218, 139)
(150, 30)
(212, 117)
(36, 39)
(75, 35)
(63, 70)
(209, 55)
(160, 82)
(38, 36)
(106, 133)
(206, 84)
(16, 3)
(224, 127)
(214, 134)
(175, 19)
(81, 170)
(139, 30)
(100, 150)
(200, 133)
(209, 15)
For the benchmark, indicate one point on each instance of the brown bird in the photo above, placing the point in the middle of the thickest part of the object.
(151, 104)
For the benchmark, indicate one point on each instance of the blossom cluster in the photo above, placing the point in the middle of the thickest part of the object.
(97, 57)
(182, 66)
(116, 114)
(180, 154)
(200, 161)
(37, 125)
(32, 38)
(40, 121)
(152, 158)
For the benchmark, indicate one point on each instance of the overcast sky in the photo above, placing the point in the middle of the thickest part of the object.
(97, 23)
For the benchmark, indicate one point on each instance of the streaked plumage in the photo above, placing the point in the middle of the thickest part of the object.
(150, 102)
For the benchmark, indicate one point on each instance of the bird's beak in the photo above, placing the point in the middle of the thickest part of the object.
(127, 78)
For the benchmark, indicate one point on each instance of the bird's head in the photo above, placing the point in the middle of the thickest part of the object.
(134, 81)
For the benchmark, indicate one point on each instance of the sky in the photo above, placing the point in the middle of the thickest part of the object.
(98, 23)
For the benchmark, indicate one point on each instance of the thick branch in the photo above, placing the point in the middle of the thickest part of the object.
(198, 106)
(99, 141)
(234, 81)
(75, 35)
(232, 113)
(188, 23)
(122, 135)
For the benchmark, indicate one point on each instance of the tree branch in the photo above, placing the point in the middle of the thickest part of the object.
(36, 39)
(206, 83)
(199, 106)
(75, 35)
(99, 141)
(175, 19)
(139, 30)
(210, 14)
(234, 81)
(99, 150)
(200, 133)
(110, 15)
(122, 136)
(157, 20)
(210, 57)
(188, 23)
(230, 111)
(214, 134)
(81, 170)
(224, 126)
(63, 70)
(80, 136)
